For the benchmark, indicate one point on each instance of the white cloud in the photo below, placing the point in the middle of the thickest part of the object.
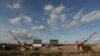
(59, 9)
(41, 27)
(94, 15)
(19, 19)
(23, 35)
(14, 6)
(15, 21)
(80, 19)
(59, 15)
(55, 14)
(53, 21)
(78, 15)
(27, 19)
(75, 20)
(48, 7)
(63, 19)
(71, 24)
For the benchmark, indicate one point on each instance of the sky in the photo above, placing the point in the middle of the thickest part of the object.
(65, 20)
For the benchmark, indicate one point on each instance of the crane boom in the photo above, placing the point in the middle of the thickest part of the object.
(14, 36)
(89, 37)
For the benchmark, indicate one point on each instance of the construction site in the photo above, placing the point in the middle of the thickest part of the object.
(53, 48)
(49, 27)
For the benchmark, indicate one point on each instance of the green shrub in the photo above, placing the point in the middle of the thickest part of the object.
(87, 48)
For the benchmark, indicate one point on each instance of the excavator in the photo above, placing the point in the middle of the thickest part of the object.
(81, 45)
(21, 46)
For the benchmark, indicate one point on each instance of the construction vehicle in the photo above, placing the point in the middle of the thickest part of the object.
(22, 46)
(5, 46)
(81, 46)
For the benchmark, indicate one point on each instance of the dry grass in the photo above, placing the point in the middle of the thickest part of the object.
(53, 51)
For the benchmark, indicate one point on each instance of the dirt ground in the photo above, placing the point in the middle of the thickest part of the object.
(52, 51)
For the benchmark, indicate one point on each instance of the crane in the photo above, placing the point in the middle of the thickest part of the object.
(22, 45)
(86, 40)
(81, 44)
(14, 37)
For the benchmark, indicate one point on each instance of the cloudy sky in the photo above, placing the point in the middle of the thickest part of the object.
(65, 20)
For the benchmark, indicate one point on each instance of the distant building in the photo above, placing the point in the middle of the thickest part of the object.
(54, 42)
(37, 43)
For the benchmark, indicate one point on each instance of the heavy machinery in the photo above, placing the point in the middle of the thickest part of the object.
(22, 46)
(5, 46)
(82, 46)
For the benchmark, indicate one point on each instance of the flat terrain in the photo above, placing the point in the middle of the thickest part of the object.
(52, 51)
